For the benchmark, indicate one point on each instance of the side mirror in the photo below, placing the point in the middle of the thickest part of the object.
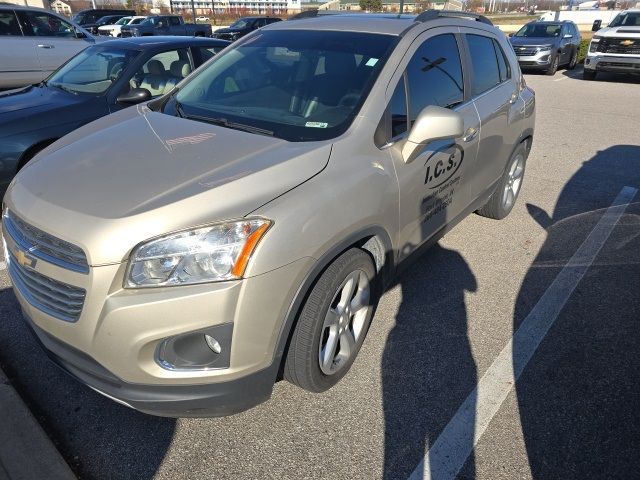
(597, 24)
(512, 34)
(433, 123)
(135, 95)
(568, 35)
(79, 33)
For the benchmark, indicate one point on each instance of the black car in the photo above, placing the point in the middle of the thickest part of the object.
(100, 80)
(108, 20)
(547, 45)
(243, 26)
(88, 17)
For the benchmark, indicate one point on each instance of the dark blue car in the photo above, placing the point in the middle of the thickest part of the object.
(99, 80)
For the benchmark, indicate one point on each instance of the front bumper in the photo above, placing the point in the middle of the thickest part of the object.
(114, 344)
(539, 61)
(600, 62)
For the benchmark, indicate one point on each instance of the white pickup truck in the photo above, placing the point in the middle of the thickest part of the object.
(615, 48)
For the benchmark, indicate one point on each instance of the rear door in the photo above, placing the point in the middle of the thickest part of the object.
(18, 63)
(176, 27)
(495, 91)
(433, 187)
(55, 39)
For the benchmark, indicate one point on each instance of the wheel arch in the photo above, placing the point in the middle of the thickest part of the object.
(30, 152)
(373, 240)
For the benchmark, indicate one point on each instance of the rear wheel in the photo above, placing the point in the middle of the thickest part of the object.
(589, 74)
(505, 195)
(574, 60)
(333, 323)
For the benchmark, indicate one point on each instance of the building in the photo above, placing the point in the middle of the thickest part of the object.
(248, 7)
(29, 3)
(62, 8)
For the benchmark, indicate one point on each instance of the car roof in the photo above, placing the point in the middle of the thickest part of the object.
(381, 23)
(148, 43)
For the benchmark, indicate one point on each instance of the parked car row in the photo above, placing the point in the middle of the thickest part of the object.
(182, 255)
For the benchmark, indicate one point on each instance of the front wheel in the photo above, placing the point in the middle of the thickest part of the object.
(333, 323)
(506, 193)
(574, 61)
(554, 66)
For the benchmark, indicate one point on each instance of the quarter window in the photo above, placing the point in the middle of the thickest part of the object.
(486, 72)
(398, 109)
(503, 64)
(435, 75)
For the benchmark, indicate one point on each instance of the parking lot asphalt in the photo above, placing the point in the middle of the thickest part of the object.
(567, 257)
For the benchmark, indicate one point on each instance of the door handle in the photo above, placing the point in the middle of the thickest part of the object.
(514, 98)
(470, 134)
(42, 45)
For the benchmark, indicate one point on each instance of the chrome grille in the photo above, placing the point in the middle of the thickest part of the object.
(626, 46)
(54, 298)
(525, 51)
(44, 246)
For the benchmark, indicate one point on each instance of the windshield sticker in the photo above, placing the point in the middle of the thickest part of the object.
(316, 124)
(371, 62)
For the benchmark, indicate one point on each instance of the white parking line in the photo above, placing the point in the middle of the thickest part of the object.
(451, 449)
(560, 79)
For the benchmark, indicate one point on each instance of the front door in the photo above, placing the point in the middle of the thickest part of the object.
(18, 65)
(433, 187)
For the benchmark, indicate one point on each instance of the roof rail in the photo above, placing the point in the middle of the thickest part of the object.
(313, 13)
(429, 15)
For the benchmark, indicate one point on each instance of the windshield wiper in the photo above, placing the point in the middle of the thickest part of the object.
(62, 87)
(223, 122)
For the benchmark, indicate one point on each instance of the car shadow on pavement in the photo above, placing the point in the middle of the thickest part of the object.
(578, 396)
(121, 443)
(427, 367)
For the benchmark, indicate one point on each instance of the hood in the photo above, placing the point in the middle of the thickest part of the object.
(533, 41)
(35, 107)
(627, 32)
(137, 174)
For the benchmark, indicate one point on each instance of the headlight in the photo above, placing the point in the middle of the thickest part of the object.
(593, 46)
(207, 254)
(545, 48)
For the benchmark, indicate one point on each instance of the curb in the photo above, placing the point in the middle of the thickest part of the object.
(26, 453)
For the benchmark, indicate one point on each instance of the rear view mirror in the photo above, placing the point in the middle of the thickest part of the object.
(433, 123)
(596, 25)
(135, 95)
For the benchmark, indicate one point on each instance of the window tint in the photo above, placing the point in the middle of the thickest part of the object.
(208, 52)
(162, 72)
(435, 75)
(398, 110)
(9, 24)
(174, 21)
(486, 73)
(45, 25)
(503, 64)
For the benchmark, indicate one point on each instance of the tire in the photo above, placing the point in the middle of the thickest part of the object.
(501, 202)
(554, 66)
(589, 74)
(574, 61)
(309, 364)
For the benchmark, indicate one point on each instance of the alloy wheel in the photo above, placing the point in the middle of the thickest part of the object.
(514, 181)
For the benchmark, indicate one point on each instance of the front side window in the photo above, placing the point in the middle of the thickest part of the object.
(174, 21)
(9, 25)
(45, 25)
(297, 85)
(486, 72)
(435, 75)
(93, 70)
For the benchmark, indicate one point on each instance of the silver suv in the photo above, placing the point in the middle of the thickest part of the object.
(249, 224)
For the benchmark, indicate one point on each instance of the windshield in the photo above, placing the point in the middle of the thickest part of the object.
(136, 21)
(629, 19)
(241, 23)
(93, 70)
(106, 20)
(123, 21)
(84, 18)
(301, 85)
(149, 21)
(540, 30)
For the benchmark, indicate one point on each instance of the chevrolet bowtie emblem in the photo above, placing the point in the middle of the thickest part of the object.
(626, 43)
(24, 259)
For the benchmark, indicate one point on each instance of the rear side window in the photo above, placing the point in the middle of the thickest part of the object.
(484, 61)
(45, 25)
(9, 24)
(435, 75)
